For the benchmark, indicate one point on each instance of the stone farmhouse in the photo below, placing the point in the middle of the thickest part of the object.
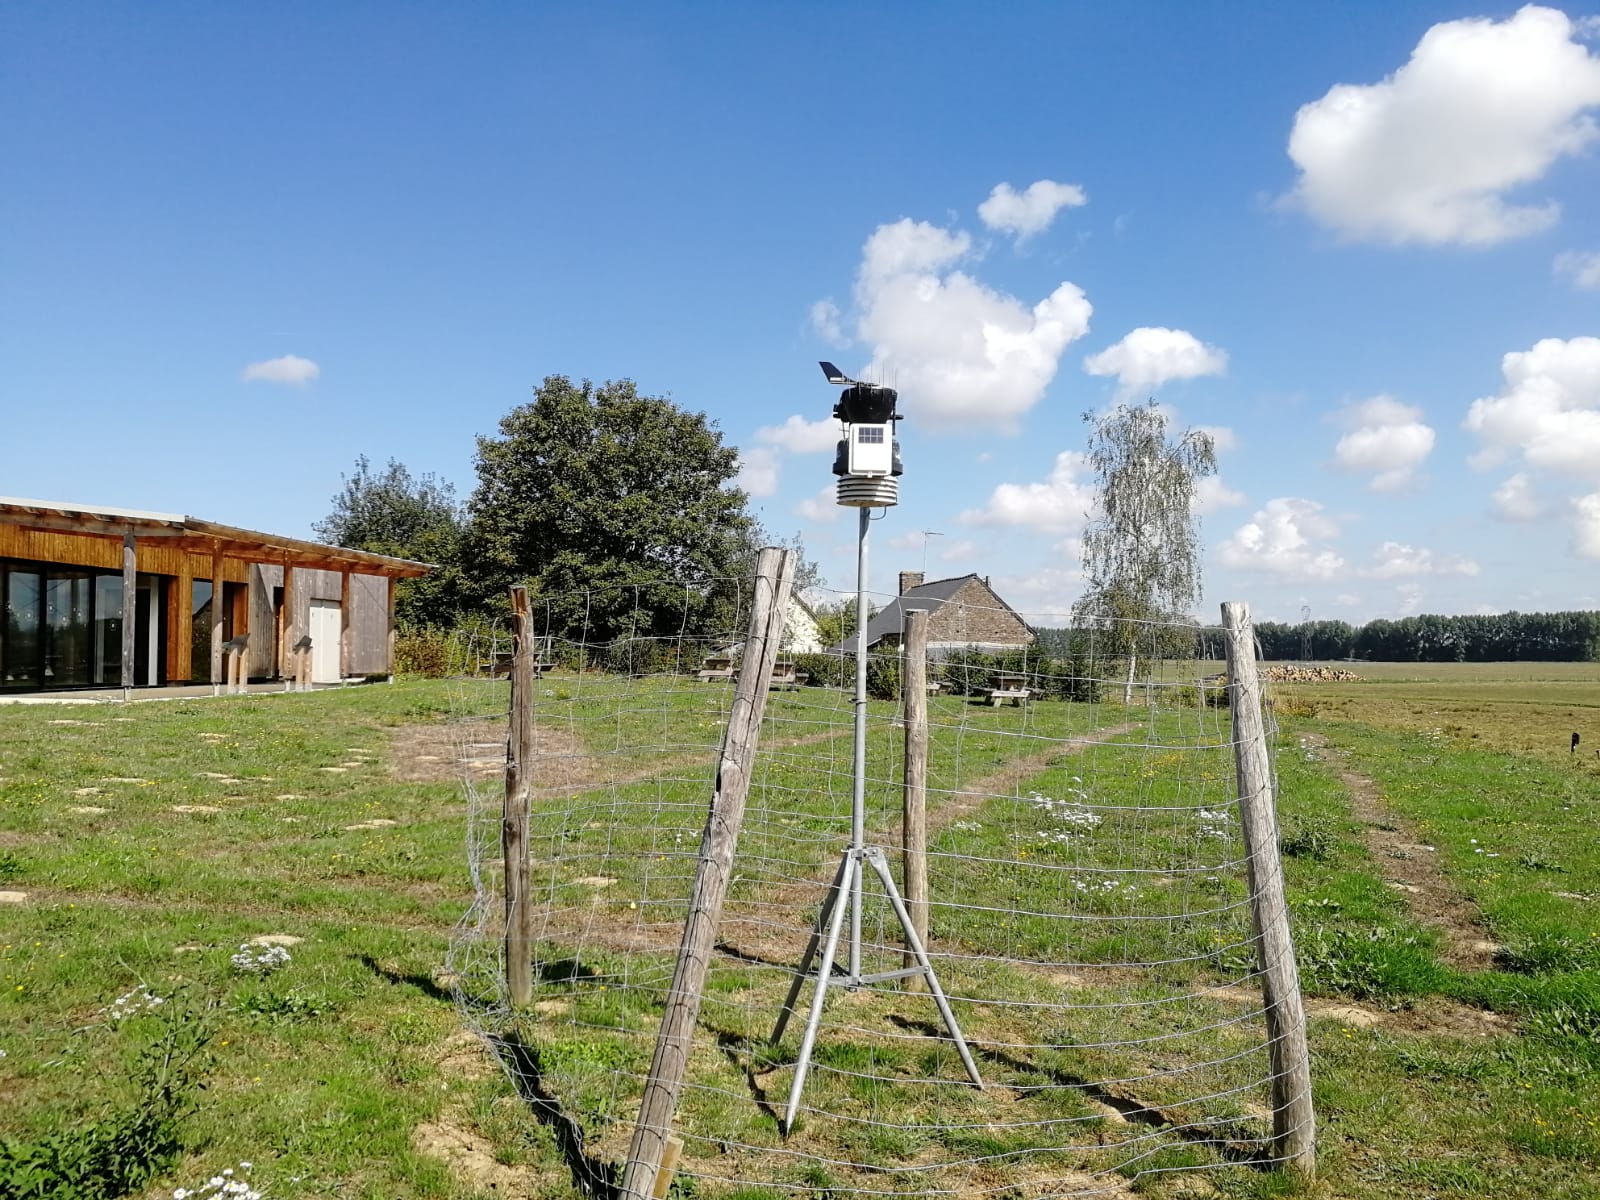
(966, 613)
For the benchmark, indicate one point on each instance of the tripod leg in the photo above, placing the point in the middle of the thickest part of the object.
(852, 871)
(835, 889)
(881, 867)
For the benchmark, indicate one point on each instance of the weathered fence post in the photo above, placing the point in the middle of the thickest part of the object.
(518, 805)
(1293, 1118)
(914, 869)
(770, 600)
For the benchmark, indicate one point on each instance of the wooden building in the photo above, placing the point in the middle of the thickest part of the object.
(95, 597)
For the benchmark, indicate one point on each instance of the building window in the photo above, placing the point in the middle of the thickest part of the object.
(60, 627)
(19, 650)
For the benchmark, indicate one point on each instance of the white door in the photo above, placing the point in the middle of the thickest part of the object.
(325, 641)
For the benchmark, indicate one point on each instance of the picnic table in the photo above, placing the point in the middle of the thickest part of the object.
(716, 666)
(786, 677)
(1010, 687)
(504, 658)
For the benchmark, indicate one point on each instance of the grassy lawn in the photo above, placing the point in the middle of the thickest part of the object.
(151, 841)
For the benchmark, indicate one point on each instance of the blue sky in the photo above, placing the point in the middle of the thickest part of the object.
(244, 244)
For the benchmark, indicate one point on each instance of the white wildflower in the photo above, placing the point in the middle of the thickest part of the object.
(259, 960)
(1213, 822)
(132, 1003)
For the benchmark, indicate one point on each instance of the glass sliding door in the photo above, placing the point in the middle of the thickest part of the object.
(200, 633)
(107, 630)
(68, 630)
(21, 666)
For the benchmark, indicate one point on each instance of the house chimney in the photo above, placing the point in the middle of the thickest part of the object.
(909, 580)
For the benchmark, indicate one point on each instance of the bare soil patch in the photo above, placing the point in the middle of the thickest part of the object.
(1433, 1015)
(1410, 866)
(471, 1158)
(464, 1056)
(434, 753)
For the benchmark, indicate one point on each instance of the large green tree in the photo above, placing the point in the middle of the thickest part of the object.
(617, 508)
(392, 512)
(1141, 553)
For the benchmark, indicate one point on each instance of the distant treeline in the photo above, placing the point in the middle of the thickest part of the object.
(1501, 637)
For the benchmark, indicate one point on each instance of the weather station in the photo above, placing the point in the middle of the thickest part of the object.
(868, 466)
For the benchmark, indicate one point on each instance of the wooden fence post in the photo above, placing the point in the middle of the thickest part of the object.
(914, 869)
(1294, 1122)
(518, 807)
(769, 603)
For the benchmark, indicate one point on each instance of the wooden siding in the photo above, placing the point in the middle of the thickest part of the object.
(262, 657)
(369, 624)
(369, 616)
(105, 553)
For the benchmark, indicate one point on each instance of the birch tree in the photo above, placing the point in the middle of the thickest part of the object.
(1141, 552)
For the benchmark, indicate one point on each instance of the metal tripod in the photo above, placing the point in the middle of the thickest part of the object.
(844, 894)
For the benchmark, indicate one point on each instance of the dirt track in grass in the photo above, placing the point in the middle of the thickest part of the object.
(1410, 866)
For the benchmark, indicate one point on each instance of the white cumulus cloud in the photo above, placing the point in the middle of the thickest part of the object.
(1212, 495)
(758, 471)
(1044, 597)
(825, 320)
(1580, 266)
(1387, 440)
(1515, 500)
(1286, 537)
(800, 436)
(1548, 412)
(1028, 212)
(290, 369)
(1060, 504)
(1586, 526)
(1395, 560)
(961, 353)
(1429, 154)
(823, 508)
(1152, 355)
(1223, 439)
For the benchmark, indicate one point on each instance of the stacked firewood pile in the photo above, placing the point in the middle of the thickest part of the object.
(1296, 673)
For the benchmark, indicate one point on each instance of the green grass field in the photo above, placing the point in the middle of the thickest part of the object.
(141, 846)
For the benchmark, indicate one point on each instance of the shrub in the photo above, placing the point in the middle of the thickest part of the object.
(1213, 695)
(883, 678)
(424, 651)
(641, 656)
(968, 672)
(826, 669)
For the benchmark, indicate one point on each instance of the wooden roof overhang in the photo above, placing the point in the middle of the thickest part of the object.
(191, 533)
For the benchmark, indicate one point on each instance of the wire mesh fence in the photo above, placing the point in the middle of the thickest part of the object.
(1089, 906)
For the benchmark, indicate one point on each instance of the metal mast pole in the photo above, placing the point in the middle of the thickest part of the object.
(858, 793)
